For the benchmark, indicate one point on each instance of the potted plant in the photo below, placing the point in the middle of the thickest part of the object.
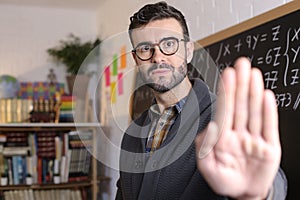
(72, 52)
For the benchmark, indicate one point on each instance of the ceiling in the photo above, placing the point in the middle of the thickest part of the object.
(74, 4)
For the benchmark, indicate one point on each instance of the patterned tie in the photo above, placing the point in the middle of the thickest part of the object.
(162, 128)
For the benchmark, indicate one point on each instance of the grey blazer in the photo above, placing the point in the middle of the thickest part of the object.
(171, 172)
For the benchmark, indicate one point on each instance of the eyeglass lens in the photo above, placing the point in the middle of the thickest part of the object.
(167, 46)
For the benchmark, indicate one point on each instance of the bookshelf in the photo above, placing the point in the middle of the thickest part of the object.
(91, 183)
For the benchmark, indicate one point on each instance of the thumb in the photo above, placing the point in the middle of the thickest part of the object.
(207, 139)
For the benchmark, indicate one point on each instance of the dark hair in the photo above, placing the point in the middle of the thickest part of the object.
(157, 11)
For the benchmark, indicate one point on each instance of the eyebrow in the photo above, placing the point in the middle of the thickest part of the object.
(143, 43)
(148, 42)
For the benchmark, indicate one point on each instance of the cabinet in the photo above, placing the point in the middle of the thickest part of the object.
(89, 184)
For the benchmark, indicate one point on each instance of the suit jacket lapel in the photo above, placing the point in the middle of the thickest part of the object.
(140, 159)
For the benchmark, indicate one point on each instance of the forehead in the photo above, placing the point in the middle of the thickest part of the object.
(156, 30)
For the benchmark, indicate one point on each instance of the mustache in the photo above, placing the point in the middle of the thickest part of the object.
(160, 66)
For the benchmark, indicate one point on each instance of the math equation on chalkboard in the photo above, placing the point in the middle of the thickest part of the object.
(273, 47)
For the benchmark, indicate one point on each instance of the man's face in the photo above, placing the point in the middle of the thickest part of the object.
(165, 66)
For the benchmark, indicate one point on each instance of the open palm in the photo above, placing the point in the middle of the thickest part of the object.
(239, 152)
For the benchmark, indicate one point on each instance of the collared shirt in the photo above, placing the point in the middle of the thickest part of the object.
(161, 124)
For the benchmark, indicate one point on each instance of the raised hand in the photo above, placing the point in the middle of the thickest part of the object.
(239, 152)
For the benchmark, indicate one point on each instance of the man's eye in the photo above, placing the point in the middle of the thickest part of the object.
(144, 48)
(168, 43)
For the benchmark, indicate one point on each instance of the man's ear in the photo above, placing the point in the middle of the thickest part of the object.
(189, 51)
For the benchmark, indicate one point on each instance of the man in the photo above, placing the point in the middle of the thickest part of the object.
(237, 151)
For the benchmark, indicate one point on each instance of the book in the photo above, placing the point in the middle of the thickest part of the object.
(15, 166)
(7, 195)
(78, 194)
(8, 111)
(68, 103)
(20, 167)
(67, 166)
(9, 170)
(2, 138)
(25, 195)
(2, 164)
(11, 151)
(15, 110)
(46, 144)
(80, 143)
(16, 139)
(30, 194)
(2, 111)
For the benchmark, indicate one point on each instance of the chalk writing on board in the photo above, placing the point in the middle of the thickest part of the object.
(273, 47)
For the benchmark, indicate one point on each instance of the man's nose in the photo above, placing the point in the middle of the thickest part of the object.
(158, 56)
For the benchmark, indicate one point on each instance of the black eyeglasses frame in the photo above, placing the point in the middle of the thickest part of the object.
(158, 44)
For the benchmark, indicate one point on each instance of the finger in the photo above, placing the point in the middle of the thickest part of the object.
(270, 118)
(226, 99)
(254, 147)
(256, 100)
(243, 69)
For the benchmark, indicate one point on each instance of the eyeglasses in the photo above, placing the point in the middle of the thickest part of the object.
(167, 46)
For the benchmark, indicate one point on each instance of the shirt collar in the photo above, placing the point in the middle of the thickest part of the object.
(154, 110)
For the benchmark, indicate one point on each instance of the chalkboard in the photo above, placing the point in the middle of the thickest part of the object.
(273, 45)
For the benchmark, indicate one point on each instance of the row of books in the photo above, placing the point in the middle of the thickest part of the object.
(58, 194)
(44, 110)
(67, 106)
(58, 109)
(15, 110)
(42, 156)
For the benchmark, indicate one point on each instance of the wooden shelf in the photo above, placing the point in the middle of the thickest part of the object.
(48, 125)
(48, 186)
(93, 183)
(54, 186)
(45, 126)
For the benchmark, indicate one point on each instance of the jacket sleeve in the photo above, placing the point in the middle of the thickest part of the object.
(119, 191)
(279, 189)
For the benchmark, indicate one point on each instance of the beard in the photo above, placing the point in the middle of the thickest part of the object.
(164, 84)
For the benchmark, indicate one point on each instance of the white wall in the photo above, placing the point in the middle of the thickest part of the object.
(26, 32)
(204, 18)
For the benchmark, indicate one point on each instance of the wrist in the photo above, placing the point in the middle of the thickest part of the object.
(266, 196)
